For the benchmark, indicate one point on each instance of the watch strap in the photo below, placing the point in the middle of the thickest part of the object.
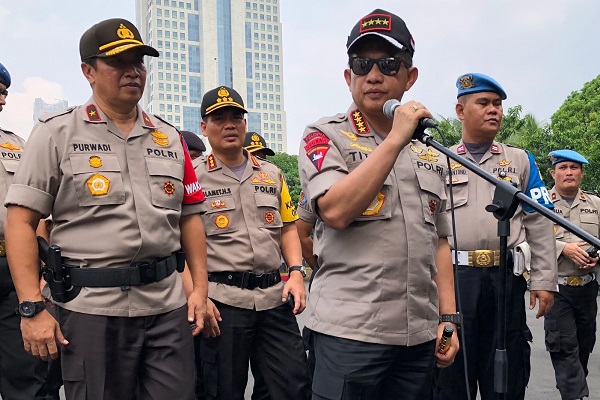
(453, 318)
(299, 268)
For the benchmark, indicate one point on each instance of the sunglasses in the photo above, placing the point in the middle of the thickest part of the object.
(388, 65)
(3, 92)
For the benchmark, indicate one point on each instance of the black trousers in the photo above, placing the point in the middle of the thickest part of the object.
(353, 370)
(570, 337)
(21, 375)
(127, 358)
(271, 338)
(478, 288)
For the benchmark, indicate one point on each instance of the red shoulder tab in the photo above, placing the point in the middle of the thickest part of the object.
(254, 160)
(212, 162)
(360, 122)
(461, 149)
(147, 121)
(495, 149)
(92, 113)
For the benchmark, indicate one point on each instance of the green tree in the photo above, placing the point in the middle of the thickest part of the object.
(288, 164)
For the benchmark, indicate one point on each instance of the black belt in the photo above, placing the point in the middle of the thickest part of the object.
(246, 280)
(134, 275)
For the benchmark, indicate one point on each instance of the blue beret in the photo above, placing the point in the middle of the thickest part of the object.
(475, 83)
(558, 156)
(4, 76)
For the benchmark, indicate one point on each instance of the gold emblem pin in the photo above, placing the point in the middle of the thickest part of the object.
(218, 204)
(269, 217)
(504, 163)
(98, 185)
(221, 221)
(466, 82)
(169, 188)
(124, 33)
(9, 146)
(95, 162)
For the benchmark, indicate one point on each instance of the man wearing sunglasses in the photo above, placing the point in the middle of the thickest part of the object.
(385, 273)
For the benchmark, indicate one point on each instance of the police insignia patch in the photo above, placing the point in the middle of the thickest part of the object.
(303, 200)
(169, 188)
(218, 204)
(147, 120)
(160, 138)
(269, 217)
(553, 196)
(466, 82)
(461, 149)
(212, 162)
(9, 146)
(495, 149)
(376, 22)
(98, 185)
(317, 146)
(221, 221)
(95, 162)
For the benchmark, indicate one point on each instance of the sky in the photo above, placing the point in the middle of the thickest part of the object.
(538, 50)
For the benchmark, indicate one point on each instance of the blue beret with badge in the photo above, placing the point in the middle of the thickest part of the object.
(476, 83)
(4, 76)
(558, 156)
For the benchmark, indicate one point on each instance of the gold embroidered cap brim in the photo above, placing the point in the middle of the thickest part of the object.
(224, 104)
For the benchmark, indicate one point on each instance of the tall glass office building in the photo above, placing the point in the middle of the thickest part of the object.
(207, 43)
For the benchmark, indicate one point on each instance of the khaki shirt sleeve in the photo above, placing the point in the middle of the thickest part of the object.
(442, 223)
(560, 246)
(37, 179)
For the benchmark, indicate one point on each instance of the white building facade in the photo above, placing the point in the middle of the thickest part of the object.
(207, 43)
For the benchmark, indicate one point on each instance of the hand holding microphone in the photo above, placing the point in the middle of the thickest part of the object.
(419, 111)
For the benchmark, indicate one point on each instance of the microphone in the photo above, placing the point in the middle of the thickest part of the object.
(390, 106)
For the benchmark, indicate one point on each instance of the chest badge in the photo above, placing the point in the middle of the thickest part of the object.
(169, 188)
(349, 135)
(9, 146)
(432, 206)
(218, 204)
(269, 217)
(375, 205)
(160, 138)
(222, 221)
(95, 162)
(504, 163)
(98, 185)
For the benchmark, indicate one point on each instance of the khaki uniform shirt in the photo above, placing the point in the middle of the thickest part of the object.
(584, 213)
(376, 283)
(243, 220)
(11, 151)
(477, 229)
(115, 201)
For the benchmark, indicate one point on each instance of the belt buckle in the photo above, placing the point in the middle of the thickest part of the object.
(147, 272)
(246, 280)
(574, 281)
(482, 258)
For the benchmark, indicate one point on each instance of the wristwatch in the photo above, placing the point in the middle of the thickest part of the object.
(300, 268)
(29, 309)
(454, 318)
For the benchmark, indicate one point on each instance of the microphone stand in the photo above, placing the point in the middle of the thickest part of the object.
(504, 204)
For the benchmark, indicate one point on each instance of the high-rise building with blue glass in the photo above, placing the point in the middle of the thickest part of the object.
(207, 43)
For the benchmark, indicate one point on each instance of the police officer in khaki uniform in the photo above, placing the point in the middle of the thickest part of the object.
(385, 274)
(571, 323)
(480, 110)
(249, 219)
(124, 199)
(21, 375)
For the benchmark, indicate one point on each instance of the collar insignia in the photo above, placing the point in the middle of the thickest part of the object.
(212, 162)
(581, 196)
(553, 196)
(495, 149)
(360, 123)
(147, 121)
(254, 160)
(462, 149)
(92, 113)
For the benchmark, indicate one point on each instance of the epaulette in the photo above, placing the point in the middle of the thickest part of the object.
(166, 122)
(590, 192)
(49, 116)
(334, 118)
(5, 131)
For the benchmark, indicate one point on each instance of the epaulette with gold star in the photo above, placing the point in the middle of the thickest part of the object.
(49, 116)
(163, 120)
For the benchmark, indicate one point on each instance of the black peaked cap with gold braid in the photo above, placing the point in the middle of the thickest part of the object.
(220, 97)
(111, 37)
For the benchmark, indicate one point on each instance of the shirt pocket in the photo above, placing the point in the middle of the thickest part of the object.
(589, 223)
(219, 215)
(97, 179)
(380, 207)
(166, 183)
(267, 214)
(433, 195)
(460, 191)
(10, 166)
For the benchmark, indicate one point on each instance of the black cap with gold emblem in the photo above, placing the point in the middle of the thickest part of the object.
(111, 37)
(255, 142)
(220, 97)
(385, 25)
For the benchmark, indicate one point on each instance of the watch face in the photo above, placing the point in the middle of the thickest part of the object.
(27, 309)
